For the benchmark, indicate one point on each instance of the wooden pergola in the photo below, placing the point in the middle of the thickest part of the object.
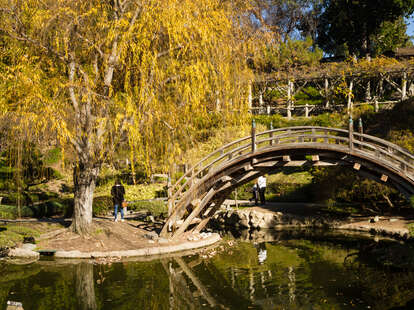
(359, 83)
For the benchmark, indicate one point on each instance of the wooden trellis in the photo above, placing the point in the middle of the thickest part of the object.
(362, 87)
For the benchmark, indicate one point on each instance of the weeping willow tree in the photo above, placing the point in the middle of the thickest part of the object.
(101, 73)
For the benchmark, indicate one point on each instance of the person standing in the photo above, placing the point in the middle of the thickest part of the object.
(118, 192)
(255, 193)
(261, 183)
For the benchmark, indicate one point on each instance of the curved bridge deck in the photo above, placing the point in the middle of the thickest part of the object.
(204, 187)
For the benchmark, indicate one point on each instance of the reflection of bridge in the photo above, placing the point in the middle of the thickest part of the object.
(203, 188)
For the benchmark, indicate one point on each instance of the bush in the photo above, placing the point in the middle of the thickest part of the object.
(101, 205)
(11, 212)
(53, 156)
(156, 207)
(324, 120)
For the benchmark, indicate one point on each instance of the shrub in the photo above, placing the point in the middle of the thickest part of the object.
(156, 207)
(101, 205)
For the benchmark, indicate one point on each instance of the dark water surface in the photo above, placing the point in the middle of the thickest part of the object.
(294, 271)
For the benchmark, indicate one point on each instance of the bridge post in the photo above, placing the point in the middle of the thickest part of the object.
(351, 133)
(360, 127)
(326, 93)
(404, 86)
(250, 98)
(350, 105)
(169, 194)
(253, 135)
(271, 134)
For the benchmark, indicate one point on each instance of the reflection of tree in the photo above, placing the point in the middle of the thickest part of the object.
(85, 288)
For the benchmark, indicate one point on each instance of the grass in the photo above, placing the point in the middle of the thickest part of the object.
(11, 234)
(411, 229)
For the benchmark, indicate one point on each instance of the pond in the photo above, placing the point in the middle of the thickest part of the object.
(291, 270)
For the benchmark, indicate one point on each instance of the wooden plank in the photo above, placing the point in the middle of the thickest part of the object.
(201, 225)
(295, 163)
(326, 163)
(286, 158)
(267, 164)
(248, 167)
(194, 213)
(226, 178)
(315, 157)
(195, 202)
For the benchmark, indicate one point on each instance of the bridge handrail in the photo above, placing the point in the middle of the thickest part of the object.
(384, 142)
(377, 144)
(191, 171)
(198, 164)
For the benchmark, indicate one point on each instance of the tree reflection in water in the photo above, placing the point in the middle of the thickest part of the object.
(299, 272)
(85, 286)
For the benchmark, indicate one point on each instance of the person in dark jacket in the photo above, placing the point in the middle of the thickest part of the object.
(118, 192)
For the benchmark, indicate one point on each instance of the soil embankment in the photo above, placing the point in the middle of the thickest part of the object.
(130, 238)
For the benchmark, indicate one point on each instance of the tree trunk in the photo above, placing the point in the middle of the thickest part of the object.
(84, 179)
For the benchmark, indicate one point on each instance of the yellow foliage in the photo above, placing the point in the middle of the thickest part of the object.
(101, 73)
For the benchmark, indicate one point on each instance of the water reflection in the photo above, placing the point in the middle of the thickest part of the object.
(85, 286)
(285, 270)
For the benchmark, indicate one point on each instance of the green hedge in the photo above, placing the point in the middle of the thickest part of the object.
(102, 205)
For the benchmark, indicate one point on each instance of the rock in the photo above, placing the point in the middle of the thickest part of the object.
(268, 221)
(29, 240)
(14, 305)
(244, 217)
(29, 246)
(205, 235)
(393, 220)
(374, 219)
(19, 252)
(152, 235)
(4, 252)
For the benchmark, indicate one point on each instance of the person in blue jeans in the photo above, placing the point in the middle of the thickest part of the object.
(118, 192)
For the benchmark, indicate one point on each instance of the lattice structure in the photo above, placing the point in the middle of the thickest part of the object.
(361, 86)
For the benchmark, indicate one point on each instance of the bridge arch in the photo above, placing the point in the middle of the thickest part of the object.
(204, 187)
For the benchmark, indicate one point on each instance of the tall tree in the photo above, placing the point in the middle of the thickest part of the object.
(348, 25)
(389, 36)
(100, 72)
(288, 16)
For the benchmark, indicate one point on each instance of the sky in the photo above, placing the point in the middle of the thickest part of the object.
(410, 28)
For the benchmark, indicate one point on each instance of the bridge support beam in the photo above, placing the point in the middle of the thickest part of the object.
(196, 211)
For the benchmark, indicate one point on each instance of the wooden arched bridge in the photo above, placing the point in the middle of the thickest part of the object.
(203, 188)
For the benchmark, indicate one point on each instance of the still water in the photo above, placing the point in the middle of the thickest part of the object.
(281, 270)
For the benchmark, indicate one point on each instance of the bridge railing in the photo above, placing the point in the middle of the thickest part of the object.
(382, 151)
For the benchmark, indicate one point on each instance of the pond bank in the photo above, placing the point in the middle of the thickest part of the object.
(109, 239)
(296, 215)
